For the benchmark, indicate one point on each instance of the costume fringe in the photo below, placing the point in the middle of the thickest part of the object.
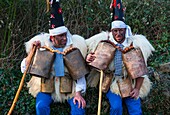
(144, 90)
(139, 41)
(93, 41)
(34, 84)
(44, 39)
(80, 43)
(59, 97)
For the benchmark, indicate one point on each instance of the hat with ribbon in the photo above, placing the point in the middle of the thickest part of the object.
(56, 21)
(118, 20)
(57, 28)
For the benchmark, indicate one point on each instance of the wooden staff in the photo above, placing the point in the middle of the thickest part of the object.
(100, 92)
(22, 81)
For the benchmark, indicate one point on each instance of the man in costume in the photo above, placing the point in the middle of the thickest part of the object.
(121, 36)
(49, 90)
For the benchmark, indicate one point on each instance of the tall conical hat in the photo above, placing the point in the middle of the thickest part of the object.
(117, 10)
(56, 19)
(118, 20)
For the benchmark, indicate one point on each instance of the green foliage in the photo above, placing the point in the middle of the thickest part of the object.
(151, 18)
(19, 20)
(158, 100)
(22, 19)
(87, 17)
(9, 82)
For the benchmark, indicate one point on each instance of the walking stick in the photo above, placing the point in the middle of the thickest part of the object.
(22, 81)
(100, 92)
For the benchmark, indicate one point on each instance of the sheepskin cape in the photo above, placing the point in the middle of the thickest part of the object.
(139, 41)
(34, 84)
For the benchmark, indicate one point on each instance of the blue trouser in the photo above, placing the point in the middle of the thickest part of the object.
(133, 105)
(74, 108)
(43, 101)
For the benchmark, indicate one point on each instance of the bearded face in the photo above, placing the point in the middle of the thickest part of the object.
(59, 41)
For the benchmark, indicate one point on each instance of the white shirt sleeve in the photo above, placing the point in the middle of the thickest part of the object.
(23, 65)
(81, 85)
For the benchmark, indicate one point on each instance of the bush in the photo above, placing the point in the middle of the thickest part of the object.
(20, 20)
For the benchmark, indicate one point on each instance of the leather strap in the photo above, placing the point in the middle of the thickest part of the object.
(114, 45)
(59, 52)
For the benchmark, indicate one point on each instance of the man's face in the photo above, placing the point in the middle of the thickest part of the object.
(119, 34)
(59, 41)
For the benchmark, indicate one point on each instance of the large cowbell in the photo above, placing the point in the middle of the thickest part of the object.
(75, 63)
(134, 63)
(42, 63)
(104, 55)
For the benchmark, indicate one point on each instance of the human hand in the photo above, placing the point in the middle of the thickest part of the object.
(90, 57)
(134, 93)
(78, 98)
(37, 44)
